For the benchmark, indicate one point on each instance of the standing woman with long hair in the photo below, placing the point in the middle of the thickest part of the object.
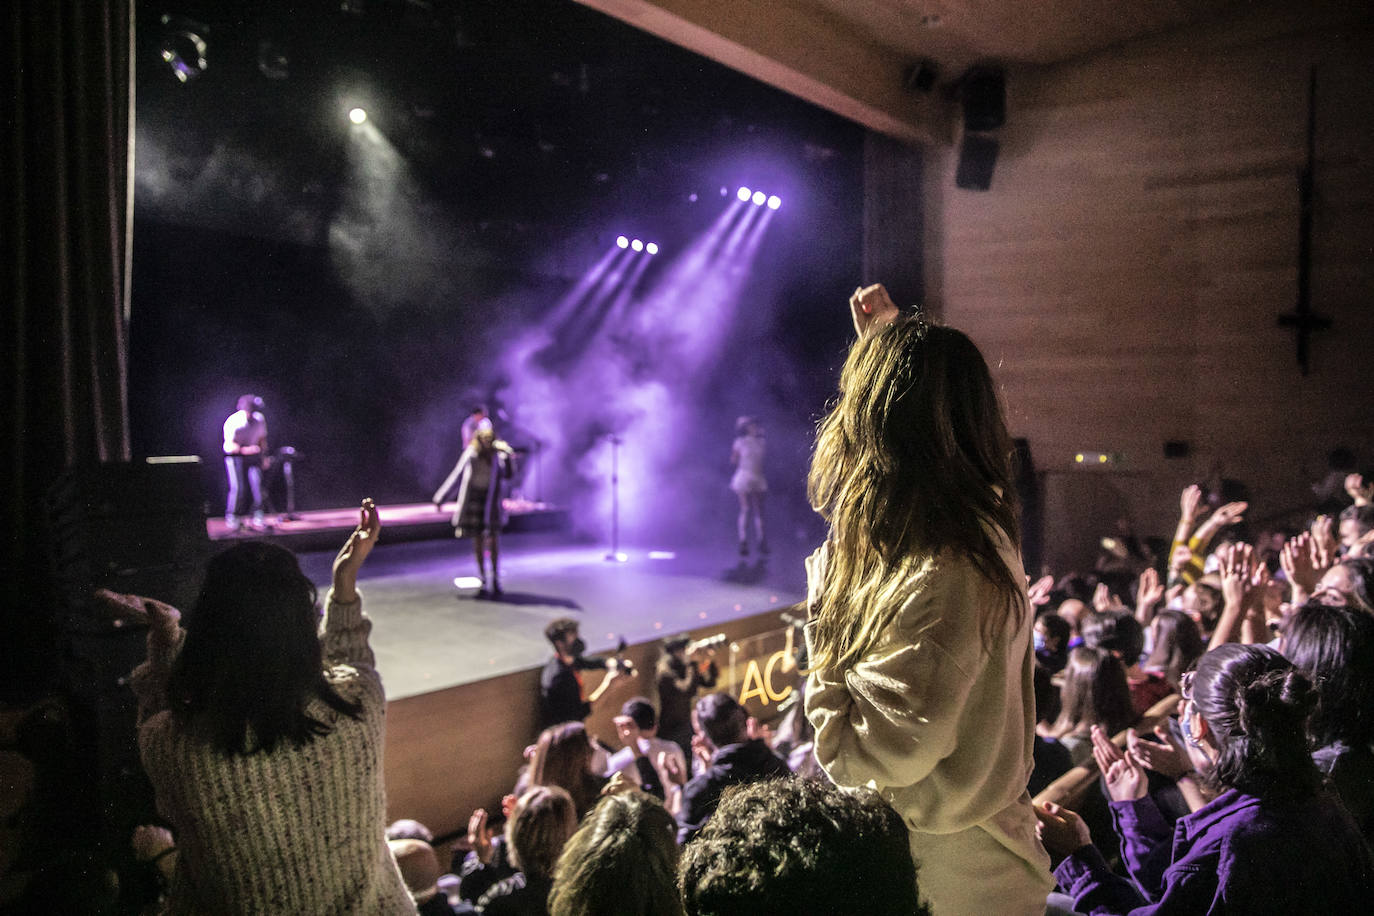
(748, 482)
(480, 476)
(263, 739)
(920, 630)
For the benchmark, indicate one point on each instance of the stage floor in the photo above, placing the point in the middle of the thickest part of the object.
(429, 635)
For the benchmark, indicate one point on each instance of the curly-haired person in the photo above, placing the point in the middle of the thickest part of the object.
(796, 847)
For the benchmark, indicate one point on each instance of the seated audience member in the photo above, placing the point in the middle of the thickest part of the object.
(249, 705)
(563, 758)
(622, 861)
(420, 870)
(1095, 692)
(730, 757)
(1072, 611)
(1052, 635)
(407, 829)
(539, 826)
(678, 679)
(1271, 841)
(800, 847)
(1119, 633)
(1334, 647)
(1051, 759)
(560, 684)
(1356, 529)
(1348, 582)
(641, 715)
(1177, 645)
(1202, 601)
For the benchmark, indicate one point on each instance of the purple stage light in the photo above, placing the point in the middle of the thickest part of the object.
(759, 198)
(774, 202)
(622, 242)
(652, 248)
(691, 198)
(743, 193)
(724, 192)
(637, 245)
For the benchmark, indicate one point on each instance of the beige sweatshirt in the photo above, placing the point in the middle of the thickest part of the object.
(932, 719)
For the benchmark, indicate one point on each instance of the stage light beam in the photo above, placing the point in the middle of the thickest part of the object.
(622, 242)
(759, 198)
(357, 116)
(637, 245)
(774, 202)
(743, 193)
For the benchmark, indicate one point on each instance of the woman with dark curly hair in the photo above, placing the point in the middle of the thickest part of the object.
(1270, 841)
(920, 631)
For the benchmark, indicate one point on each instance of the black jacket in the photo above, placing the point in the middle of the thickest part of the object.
(733, 764)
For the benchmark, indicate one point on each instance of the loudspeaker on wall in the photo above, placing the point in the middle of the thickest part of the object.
(977, 157)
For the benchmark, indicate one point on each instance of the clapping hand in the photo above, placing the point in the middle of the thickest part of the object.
(1060, 830)
(872, 309)
(1039, 591)
(1149, 591)
(355, 551)
(1189, 501)
(668, 766)
(1124, 775)
(479, 836)
(1166, 758)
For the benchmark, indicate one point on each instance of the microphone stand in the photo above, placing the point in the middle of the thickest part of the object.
(614, 555)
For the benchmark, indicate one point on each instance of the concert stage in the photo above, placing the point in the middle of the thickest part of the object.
(323, 529)
(429, 635)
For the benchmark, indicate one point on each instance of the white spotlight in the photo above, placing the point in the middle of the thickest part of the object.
(652, 248)
(743, 193)
(759, 198)
(357, 116)
(637, 245)
(622, 242)
(774, 202)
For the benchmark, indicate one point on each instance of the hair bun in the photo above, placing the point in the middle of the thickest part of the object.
(1274, 699)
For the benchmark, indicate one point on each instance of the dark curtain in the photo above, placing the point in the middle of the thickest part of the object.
(66, 190)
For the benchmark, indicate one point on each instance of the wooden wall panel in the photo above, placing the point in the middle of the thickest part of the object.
(1125, 272)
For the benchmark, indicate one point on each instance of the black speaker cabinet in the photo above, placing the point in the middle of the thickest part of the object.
(977, 157)
(984, 96)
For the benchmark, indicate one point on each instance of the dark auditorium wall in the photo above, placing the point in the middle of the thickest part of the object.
(1125, 272)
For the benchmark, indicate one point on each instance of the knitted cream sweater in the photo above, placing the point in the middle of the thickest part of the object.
(299, 829)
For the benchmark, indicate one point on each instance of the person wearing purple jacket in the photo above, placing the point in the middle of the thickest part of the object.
(1270, 841)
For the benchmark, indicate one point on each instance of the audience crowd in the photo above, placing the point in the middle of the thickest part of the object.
(1255, 796)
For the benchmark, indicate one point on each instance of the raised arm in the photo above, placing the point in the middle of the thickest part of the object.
(345, 628)
(451, 480)
(165, 636)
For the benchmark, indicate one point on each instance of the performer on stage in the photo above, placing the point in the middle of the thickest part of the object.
(245, 458)
(476, 421)
(746, 456)
(479, 476)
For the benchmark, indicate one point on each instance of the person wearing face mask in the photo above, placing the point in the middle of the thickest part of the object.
(1270, 840)
(561, 695)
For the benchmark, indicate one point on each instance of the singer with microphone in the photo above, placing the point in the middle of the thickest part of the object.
(480, 476)
(684, 668)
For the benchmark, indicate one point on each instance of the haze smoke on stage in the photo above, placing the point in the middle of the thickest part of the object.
(635, 366)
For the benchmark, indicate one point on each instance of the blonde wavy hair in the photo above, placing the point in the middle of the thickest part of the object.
(913, 462)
